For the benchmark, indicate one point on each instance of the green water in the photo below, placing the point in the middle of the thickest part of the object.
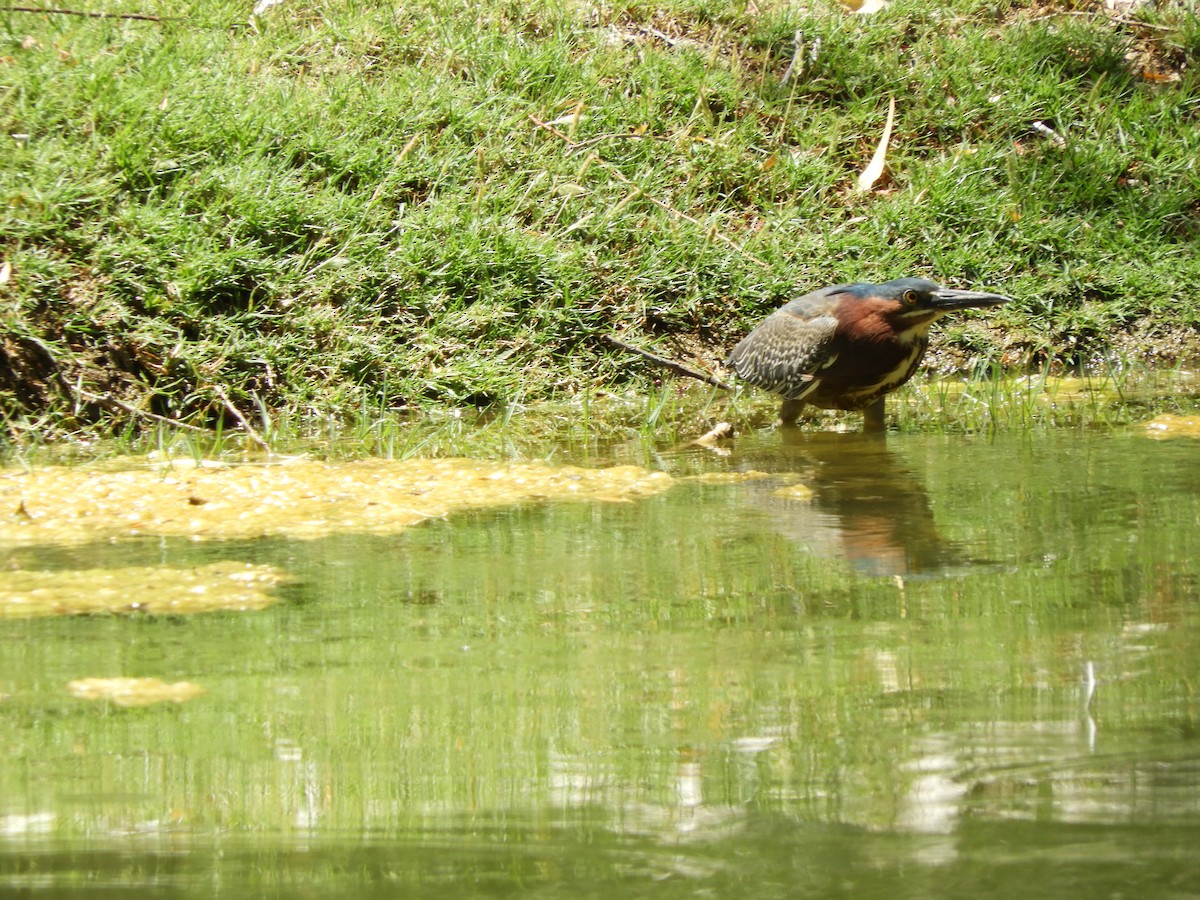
(717, 692)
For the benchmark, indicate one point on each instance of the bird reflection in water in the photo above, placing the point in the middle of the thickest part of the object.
(867, 505)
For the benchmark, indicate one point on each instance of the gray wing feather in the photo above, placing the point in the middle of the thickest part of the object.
(785, 354)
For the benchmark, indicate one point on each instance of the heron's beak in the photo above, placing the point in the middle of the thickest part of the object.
(946, 299)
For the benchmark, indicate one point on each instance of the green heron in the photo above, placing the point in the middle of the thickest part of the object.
(846, 346)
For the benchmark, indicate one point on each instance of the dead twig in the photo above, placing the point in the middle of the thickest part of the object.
(237, 414)
(1112, 17)
(670, 364)
(1049, 133)
(53, 11)
(130, 408)
(591, 142)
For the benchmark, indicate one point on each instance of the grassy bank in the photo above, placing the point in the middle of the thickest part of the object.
(345, 206)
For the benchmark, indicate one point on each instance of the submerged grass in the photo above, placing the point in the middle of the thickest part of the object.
(344, 218)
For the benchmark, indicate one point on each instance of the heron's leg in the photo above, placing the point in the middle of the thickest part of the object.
(789, 411)
(873, 416)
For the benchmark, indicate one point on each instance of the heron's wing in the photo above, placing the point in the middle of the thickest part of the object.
(787, 352)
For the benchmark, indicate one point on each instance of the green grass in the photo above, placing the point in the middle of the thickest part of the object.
(344, 215)
(646, 427)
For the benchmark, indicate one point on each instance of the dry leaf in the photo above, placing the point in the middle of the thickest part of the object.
(722, 431)
(864, 7)
(872, 172)
(571, 119)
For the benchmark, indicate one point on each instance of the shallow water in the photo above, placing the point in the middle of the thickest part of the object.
(826, 665)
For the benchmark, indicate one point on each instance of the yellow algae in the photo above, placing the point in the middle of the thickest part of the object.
(1168, 426)
(297, 498)
(134, 691)
(795, 492)
(153, 590)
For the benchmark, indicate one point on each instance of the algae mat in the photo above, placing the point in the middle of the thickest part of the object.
(133, 691)
(296, 498)
(225, 586)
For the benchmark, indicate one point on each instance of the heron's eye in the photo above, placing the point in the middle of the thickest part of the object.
(910, 298)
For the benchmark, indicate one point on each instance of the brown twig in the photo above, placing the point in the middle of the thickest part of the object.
(130, 408)
(1138, 23)
(237, 414)
(1085, 14)
(600, 139)
(617, 174)
(141, 17)
(677, 368)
